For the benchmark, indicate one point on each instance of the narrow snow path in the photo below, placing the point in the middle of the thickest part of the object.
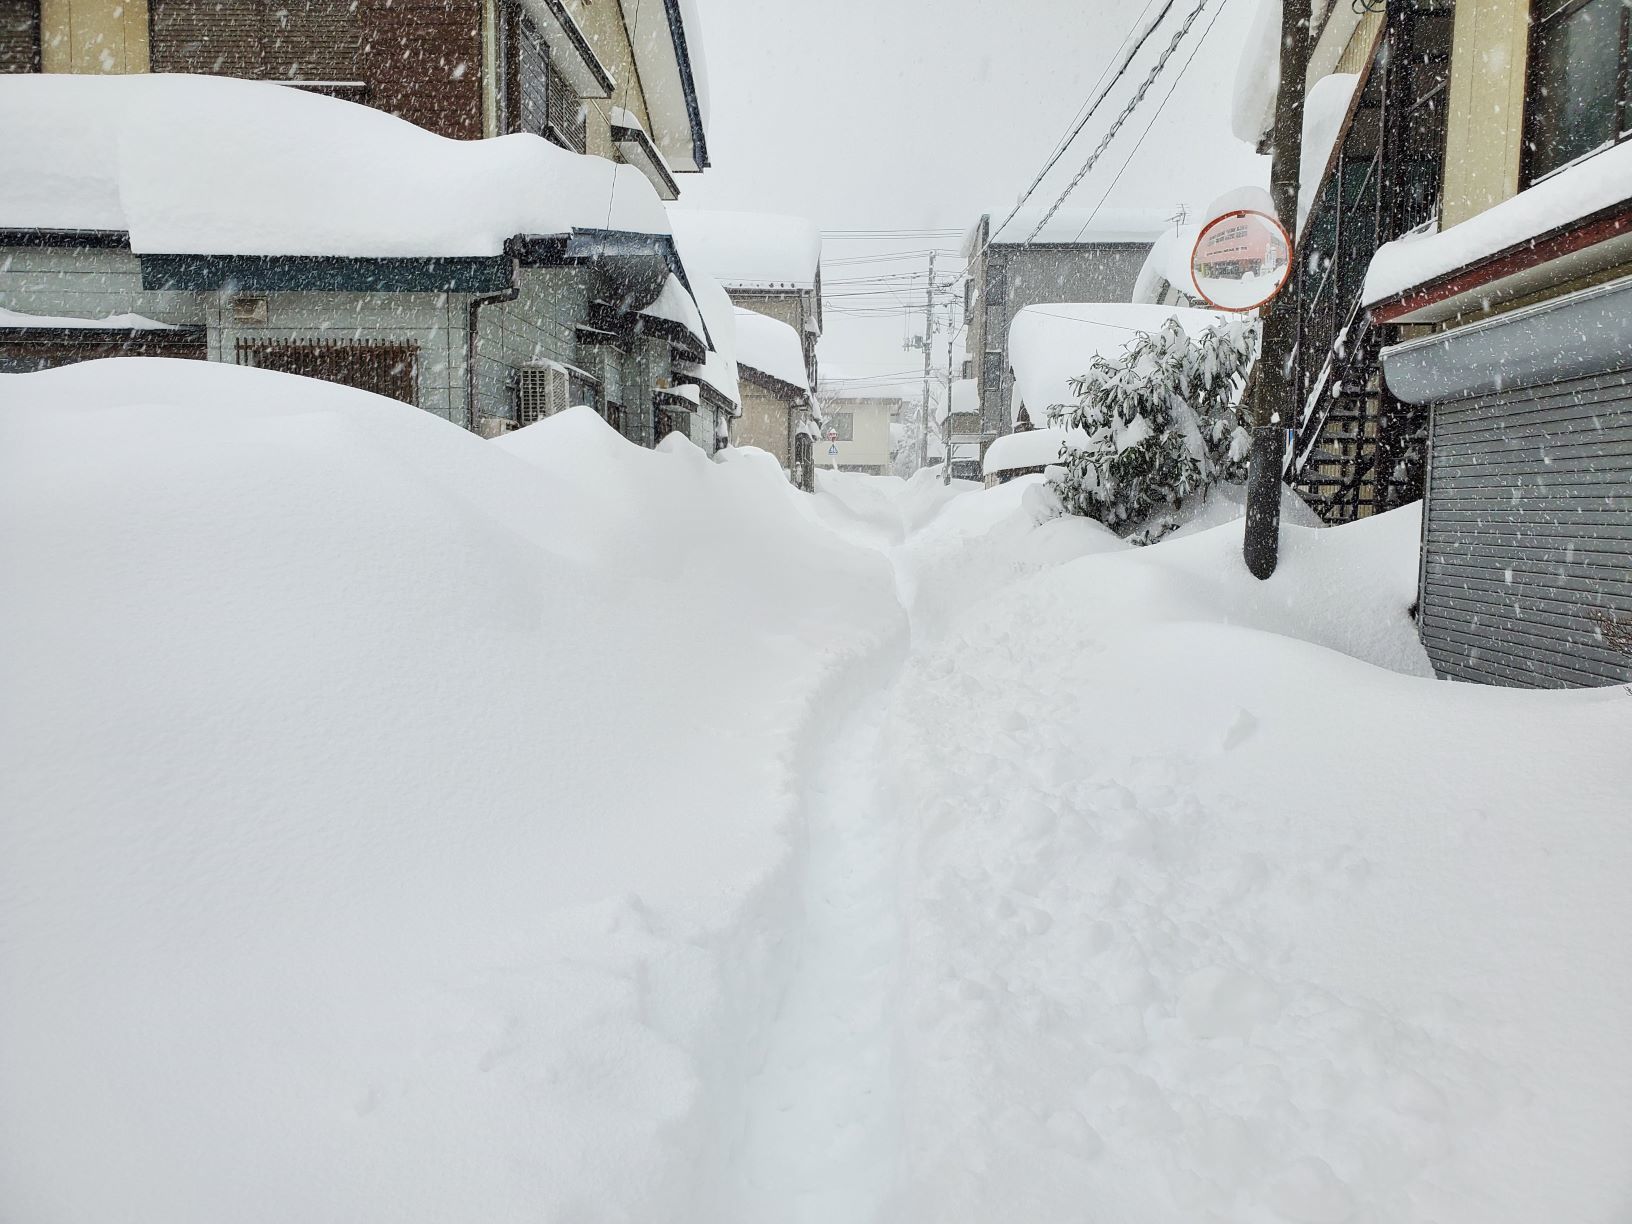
(821, 1137)
(821, 1131)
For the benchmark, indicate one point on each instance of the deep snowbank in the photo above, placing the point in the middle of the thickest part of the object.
(395, 825)
(1207, 917)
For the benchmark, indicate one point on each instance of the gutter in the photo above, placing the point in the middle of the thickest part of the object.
(512, 248)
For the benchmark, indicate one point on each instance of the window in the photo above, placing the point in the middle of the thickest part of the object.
(1577, 97)
(383, 367)
(19, 36)
(991, 375)
(843, 424)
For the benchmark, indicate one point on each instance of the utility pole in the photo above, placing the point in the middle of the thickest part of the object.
(1274, 388)
(929, 337)
(946, 432)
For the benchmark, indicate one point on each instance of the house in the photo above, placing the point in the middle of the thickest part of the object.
(1052, 344)
(857, 433)
(963, 431)
(515, 278)
(1465, 306)
(613, 78)
(776, 399)
(1077, 255)
(771, 268)
(768, 263)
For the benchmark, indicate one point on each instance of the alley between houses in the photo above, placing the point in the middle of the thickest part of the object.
(583, 832)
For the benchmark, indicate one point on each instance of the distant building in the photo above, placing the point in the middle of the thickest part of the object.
(963, 430)
(1078, 256)
(771, 267)
(856, 434)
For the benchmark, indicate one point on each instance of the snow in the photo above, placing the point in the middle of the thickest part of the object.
(1051, 344)
(1029, 448)
(940, 859)
(117, 322)
(313, 861)
(1258, 75)
(673, 304)
(719, 367)
(213, 165)
(965, 397)
(1602, 180)
(1324, 109)
(1070, 225)
(1168, 263)
(771, 347)
(746, 250)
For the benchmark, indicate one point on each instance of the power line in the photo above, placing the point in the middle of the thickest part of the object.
(1139, 143)
(1127, 111)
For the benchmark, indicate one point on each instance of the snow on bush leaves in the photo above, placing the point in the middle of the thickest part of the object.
(1163, 424)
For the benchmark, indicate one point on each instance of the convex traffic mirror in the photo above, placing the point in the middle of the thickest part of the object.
(1241, 260)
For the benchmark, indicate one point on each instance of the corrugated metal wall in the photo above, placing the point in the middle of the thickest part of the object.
(1529, 535)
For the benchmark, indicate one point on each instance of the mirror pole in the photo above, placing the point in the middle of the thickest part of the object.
(1273, 404)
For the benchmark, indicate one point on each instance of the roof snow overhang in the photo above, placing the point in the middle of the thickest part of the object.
(776, 386)
(663, 60)
(639, 151)
(1592, 244)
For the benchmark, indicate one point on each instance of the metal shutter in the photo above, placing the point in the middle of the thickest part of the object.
(1528, 534)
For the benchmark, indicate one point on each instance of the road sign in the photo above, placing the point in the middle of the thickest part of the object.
(833, 450)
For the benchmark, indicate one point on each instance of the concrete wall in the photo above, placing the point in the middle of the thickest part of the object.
(94, 36)
(764, 423)
(537, 327)
(86, 283)
(1012, 278)
(1489, 55)
(434, 322)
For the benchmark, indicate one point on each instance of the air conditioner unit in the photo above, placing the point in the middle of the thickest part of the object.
(541, 391)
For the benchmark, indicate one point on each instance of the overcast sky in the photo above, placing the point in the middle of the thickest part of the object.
(890, 114)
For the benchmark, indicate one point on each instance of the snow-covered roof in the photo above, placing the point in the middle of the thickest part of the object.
(1599, 182)
(1049, 345)
(1258, 70)
(718, 369)
(965, 396)
(1168, 263)
(668, 47)
(118, 322)
(745, 250)
(1068, 225)
(1325, 107)
(674, 305)
(771, 347)
(1029, 449)
(207, 165)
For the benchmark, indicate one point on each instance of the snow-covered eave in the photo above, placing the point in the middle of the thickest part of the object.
(1574, 224)
(637, 147)
(571, 51)
(779, 387)
(663, 50)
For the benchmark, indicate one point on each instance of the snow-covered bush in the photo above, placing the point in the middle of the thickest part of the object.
(1162, 421)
